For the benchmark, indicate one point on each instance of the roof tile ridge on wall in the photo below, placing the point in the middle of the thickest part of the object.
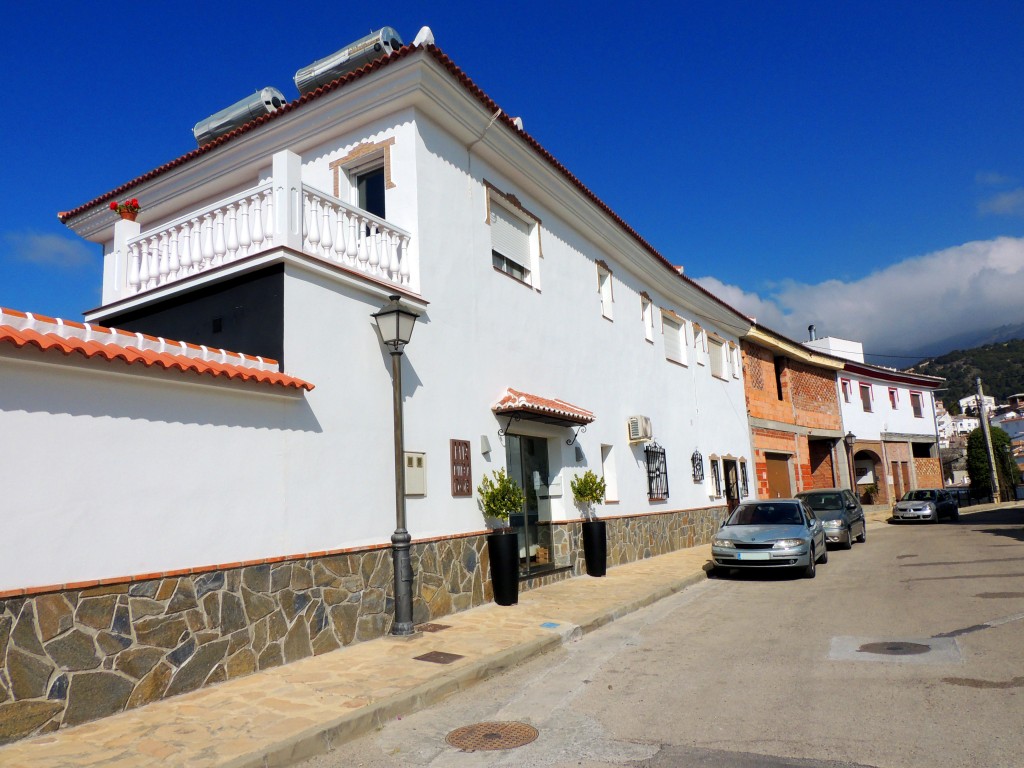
(89, 332)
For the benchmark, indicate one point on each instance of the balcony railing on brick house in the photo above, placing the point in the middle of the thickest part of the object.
(254, 221)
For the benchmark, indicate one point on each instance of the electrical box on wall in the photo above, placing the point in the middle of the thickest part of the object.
(415, 474)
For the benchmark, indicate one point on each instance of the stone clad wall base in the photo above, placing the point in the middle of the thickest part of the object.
(76, 655)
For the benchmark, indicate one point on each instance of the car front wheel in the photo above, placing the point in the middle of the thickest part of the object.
(863, 532)
(809, 569)
(848, 544)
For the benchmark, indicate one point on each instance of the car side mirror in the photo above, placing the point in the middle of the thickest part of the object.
(851, 505)
(722, 525)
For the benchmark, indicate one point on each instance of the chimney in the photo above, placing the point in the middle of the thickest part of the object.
(810, 332)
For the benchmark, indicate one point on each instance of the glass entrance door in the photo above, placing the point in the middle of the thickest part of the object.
(528, 465)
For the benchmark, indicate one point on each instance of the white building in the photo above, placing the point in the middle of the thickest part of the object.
(546, 323)
(892, 416)
(970, 404)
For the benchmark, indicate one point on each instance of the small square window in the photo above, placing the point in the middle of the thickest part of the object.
(917, 405)
(865, 397)
(675, 339)
(716, 352)
(513, 240)
(604, 288)
(657, 472)
(647, 315)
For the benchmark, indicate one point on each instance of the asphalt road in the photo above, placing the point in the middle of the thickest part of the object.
(906, 652)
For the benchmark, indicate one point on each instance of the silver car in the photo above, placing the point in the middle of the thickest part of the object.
(775, 533)
(840, 513)
(927, 504)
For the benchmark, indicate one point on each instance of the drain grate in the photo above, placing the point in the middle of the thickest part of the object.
(895, 648)
(432, 627)
(439, 657)
(484, 736)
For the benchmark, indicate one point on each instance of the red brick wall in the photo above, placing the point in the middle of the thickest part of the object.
(820, 452)
(929, 473)
(809, 392)
(814, 396)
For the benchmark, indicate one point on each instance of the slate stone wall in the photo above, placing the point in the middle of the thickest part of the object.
(77, 655)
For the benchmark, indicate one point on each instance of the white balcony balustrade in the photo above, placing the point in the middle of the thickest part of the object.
(248, 224)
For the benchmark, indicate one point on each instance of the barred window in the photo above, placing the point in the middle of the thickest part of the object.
(716, 475)
(744, 482)
(698, 467)
(657, 472)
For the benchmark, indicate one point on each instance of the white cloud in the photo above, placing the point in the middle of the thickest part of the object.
(1004, 204)
(968, 288)
(993, 179)
(50, 250)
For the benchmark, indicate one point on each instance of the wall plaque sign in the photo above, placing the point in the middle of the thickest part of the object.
(462, 470)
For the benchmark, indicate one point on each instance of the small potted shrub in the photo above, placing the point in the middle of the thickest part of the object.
(587, 490)
(501, 497)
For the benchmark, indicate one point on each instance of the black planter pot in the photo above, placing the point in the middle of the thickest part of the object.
(503, 549)
(595, 547)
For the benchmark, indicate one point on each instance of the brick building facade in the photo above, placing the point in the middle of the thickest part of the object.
(795, 420)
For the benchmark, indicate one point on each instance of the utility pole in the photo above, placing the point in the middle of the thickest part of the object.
(988, 442)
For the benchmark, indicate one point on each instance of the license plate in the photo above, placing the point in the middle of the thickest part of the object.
(753, 556)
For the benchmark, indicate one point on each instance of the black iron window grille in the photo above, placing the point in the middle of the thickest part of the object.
(657, 472)
(744, 483)
(717, 476)
(698, 467)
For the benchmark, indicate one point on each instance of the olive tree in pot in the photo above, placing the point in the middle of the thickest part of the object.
(587, 490)
(500, 497)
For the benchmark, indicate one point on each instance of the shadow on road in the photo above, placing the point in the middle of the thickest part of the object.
(1006, 522)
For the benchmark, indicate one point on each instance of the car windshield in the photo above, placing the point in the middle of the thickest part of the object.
(823, 501)
(919, 496)
(766, 514)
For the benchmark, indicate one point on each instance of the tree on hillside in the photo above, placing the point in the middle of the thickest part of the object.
(977, 461)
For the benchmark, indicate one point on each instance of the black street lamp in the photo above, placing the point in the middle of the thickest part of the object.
(395, 324)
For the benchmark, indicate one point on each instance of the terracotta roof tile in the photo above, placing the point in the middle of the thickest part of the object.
(21, 329)
(514, 400)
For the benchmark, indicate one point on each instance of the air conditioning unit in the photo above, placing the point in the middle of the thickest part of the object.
(639, 429)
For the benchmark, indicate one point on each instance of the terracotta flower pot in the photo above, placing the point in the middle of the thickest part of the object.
(129, 215)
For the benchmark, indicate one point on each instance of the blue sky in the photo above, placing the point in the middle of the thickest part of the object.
(855, 165)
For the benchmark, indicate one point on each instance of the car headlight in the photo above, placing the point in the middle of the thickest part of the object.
(833, 523)
(787, 543)
(723, 543)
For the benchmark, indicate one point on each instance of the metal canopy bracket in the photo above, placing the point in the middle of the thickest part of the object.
(583, 428)
(503, 432)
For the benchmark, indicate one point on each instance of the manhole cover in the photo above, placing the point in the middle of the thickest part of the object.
(438, 657)
(483, 736)
(433, 627)
(895, 648)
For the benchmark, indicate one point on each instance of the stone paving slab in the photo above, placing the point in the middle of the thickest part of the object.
(280, 716)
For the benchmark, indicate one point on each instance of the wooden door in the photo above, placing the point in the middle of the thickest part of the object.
(779, 486)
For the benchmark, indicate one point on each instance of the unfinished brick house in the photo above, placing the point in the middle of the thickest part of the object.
(796, 427)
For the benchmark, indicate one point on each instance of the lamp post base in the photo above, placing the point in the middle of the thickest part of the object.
(400, 543)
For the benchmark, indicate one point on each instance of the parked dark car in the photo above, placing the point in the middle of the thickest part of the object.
(840, 513)
(929, 504)
(775, 533)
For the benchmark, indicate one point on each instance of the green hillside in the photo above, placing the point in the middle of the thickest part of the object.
(1000, 366)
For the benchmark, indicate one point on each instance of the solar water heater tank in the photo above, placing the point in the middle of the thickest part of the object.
(364, 50)
(261, 103)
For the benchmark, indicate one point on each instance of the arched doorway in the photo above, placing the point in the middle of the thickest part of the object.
(870, 478)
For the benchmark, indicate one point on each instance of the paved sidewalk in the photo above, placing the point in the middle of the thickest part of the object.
(283, 715)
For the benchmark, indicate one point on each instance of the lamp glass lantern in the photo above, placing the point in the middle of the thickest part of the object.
(850, 439)
(395, 324)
